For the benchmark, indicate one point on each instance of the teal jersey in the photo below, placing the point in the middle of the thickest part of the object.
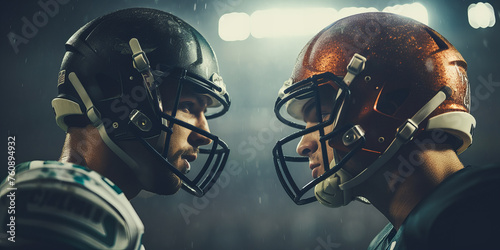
(50, 203)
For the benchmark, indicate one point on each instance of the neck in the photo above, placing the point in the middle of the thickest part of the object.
(84, 146)
(408, 178)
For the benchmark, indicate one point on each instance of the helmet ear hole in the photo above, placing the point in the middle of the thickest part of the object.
(389, 102)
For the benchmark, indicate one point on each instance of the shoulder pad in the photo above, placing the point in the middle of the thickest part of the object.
(69, 205)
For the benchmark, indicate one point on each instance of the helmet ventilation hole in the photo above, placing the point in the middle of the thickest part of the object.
(390, 102)
(440, 42)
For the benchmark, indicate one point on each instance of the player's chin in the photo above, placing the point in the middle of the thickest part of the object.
(169, 185)
(176, 185)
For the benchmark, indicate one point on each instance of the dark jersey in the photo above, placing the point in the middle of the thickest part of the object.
(463, 212)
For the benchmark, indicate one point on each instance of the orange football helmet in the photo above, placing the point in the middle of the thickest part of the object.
(393, 77)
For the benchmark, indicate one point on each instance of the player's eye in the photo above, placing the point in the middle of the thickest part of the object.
(186, 106)
(311, 114)
(325, 116)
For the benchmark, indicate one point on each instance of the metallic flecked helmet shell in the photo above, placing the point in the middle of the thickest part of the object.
(403, 64)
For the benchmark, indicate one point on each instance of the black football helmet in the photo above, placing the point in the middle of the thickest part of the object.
(111, 77)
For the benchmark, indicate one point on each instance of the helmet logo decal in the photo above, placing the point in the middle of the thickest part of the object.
(465, 81)
(61, 78)
(288, 83)
(217, 80)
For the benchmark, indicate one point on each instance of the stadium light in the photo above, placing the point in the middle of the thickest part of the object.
(290, 22)
(481, 15)
(301, 22)
(415, 11)
(349, 11)
(234, 26)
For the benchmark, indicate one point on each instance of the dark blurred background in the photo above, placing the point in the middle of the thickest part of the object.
(248, 208)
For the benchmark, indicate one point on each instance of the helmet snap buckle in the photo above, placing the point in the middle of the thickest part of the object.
(352, 135)
(407, 130)
(140, 120)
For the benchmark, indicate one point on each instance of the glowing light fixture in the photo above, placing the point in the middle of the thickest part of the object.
(234, 26)
(415, 11)
(305, 21)
(349, 11)
(481, 15)
(290, 22)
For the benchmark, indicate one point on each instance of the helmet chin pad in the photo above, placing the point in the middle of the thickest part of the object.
(329, 193)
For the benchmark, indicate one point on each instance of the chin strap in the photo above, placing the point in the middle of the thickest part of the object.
(404, 134)
(355, 66)
(328, 191)
(141, 63)
(95, 118)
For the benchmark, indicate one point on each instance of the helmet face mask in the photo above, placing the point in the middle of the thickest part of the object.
(165, 97)
(125, 73)
(317, 90)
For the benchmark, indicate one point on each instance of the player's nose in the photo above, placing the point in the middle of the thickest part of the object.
(196, 139)
(307, 145)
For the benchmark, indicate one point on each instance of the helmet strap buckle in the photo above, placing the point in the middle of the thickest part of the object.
(355, 66)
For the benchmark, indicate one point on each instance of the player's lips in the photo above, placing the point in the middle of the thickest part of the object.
(187, 159)
(315, 169)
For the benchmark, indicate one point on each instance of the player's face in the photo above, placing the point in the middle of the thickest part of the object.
(184, 143)
(309, 144)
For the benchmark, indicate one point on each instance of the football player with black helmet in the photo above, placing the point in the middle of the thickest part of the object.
(136, 88)
(382, 106)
